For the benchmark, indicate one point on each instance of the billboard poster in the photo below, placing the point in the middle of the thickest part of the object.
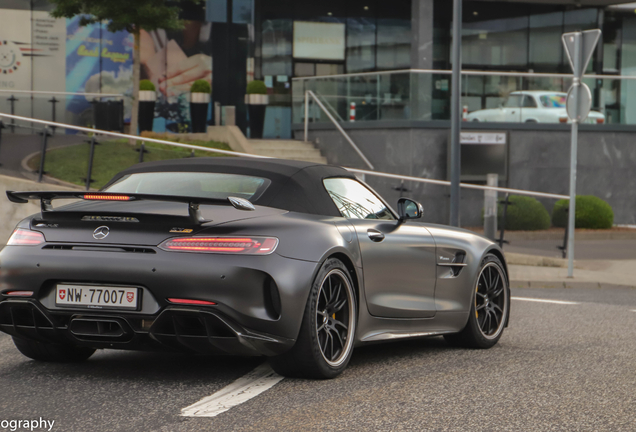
(173, 61)
(97, 61)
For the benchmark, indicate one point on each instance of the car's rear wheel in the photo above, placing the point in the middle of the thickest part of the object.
(489, 309)
(52, 352)
(325, 341)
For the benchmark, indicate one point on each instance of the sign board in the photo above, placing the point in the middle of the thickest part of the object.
(319, 41)
(587, 40)
(578, 105)
(483, 138)
(483, 152)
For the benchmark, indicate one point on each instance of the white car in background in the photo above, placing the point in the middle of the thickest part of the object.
(531, 107)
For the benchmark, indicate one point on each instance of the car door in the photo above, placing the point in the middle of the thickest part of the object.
(398, 259)
(512, 108)
(529, 109)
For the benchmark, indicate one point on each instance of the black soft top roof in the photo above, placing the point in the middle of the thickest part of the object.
(295, 185)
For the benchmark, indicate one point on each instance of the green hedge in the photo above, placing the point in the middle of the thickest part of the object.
(200, 86)
(256, 87)
(146, 85)
(591, 212)
(524, 214)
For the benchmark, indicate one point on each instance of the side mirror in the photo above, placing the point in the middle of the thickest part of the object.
(409, 209)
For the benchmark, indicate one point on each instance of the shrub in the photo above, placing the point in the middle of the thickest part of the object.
(146, 85)
(200, 86)
(524, 214)
(256, 87)
(591, 212)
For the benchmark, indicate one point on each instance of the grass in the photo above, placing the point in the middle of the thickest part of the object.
(70, 164)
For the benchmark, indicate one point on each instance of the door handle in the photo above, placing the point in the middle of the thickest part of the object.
(375, 235)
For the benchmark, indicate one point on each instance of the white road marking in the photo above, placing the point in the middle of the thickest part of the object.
(544, 300)
(243, 389)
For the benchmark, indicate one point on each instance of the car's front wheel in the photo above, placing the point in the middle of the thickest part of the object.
(325, 341)
(52, 352)
(489, 309)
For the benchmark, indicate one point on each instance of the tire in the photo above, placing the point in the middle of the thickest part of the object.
(52, 352)
(325, 341)
(491, 294)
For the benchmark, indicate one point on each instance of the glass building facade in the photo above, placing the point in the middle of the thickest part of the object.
(286, 42)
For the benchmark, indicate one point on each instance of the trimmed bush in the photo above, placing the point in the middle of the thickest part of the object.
(524, 214)
(146, 85)
(591, 212)
(200, 86)
(256, 87)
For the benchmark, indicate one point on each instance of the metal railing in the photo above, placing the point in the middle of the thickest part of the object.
(311, 94)
(32, 102)
(239, 154)
(424, 95)
(93, 95)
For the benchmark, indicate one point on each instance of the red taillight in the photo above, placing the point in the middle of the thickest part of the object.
(106, 197)
(19, 293)
(24, 237)
(228, 245)
(191, 302)
(600, 120)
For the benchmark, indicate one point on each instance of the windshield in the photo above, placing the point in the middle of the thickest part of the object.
(556, 100)
(514, 101)
(192, 184)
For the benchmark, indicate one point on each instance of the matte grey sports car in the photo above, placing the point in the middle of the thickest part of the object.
(296, 261)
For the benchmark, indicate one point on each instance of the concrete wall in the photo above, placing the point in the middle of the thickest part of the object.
(11, 213)
(539, 161)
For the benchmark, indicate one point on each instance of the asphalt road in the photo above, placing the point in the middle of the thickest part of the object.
(15, 147)
(558, 367)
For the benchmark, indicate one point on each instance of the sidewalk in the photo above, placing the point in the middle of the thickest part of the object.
(598, 264)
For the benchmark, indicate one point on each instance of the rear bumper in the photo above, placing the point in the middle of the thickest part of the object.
(246, 316)
(174, 329)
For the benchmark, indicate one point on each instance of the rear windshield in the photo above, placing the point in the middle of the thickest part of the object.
(553, 101)
(192, 184)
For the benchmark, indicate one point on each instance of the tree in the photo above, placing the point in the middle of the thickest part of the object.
(129, 15)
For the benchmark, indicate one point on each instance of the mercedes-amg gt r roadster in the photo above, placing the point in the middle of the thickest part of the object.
(296, 261)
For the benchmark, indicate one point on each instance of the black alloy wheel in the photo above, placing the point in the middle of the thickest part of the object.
(333, 317)
(327, 332)
(490, 300)
(489, 310)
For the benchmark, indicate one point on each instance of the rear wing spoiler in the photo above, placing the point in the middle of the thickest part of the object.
(46, 198)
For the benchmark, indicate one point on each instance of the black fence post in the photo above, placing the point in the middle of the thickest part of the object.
(45, 136)
(2, 126)
(564, 248)
(142, 150)
(12, 99)
(53, 102)
(506, 203)
(91, 155)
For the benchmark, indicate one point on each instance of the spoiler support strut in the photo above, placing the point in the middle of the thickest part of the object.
(194, 212)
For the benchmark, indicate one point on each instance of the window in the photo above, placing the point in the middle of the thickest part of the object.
(191, 184)
(529, 102)
(355, 201)
(556, 100)
(514, 101)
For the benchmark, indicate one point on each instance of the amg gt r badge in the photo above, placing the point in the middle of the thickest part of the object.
(181, 230)
(101, 233)
(110, 219)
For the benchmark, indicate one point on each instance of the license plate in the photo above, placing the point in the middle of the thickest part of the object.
(96, 297)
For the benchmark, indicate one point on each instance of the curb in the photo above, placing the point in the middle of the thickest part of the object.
(567, 285)
(30, 175)
(534, 260)
(580, 234)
